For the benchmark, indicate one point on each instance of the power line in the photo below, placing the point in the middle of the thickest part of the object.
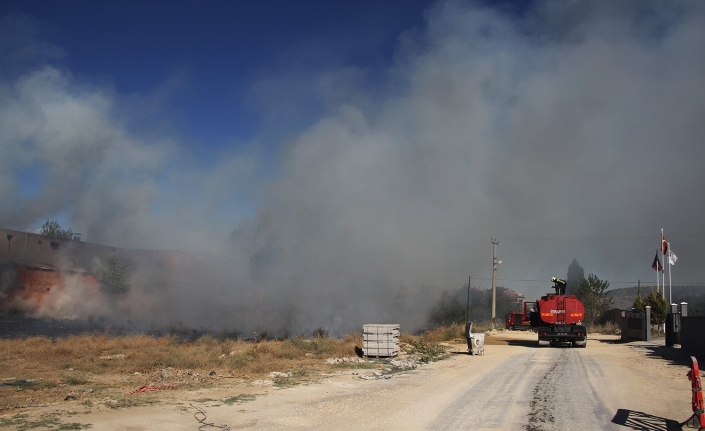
(603, 238)
(546, 281)
(610, 282)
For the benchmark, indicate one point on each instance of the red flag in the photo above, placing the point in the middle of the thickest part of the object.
(664, 245)
(656, 266)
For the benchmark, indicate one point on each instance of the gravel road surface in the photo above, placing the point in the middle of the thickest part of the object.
(606, 386)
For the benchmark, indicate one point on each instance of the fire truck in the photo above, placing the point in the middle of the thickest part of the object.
(515, 321)
(557, 317)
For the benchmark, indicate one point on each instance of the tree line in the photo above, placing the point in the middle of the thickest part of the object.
(452, 304)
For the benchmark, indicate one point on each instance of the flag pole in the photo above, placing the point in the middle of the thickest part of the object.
(657, 265)
(658, 250)
(663, 273)
(670, 300)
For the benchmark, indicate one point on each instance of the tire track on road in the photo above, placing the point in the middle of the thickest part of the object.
(500, 399)
(567, 396)
(538, 389)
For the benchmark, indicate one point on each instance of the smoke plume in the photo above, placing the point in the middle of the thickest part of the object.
(569, 130)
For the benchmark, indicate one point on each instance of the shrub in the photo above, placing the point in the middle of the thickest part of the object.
(426, 351)
(608, 328)
(445, 333)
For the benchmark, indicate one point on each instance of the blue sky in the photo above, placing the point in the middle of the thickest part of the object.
(347, 146)
(210, 62)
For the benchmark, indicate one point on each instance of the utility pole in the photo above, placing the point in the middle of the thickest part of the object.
(494, 282)
(467, 306)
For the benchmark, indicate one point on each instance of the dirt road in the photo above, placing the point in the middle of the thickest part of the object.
(515, 386)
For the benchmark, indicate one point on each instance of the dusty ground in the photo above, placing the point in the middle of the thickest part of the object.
(643, 382)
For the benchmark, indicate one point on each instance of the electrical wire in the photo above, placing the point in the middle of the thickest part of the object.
(602, 238)
(202, 420)
(611, 282)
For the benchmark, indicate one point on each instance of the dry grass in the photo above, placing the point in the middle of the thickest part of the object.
(33, 357)
(101, 370)
(37, 370)
(606, 329)
(453, 332)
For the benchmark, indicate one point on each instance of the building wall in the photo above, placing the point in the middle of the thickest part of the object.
(157, 268)
(25, 247)
(31, 285)
(37, 272)
(36, 249)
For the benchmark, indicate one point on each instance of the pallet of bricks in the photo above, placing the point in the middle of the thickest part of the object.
(380, 340)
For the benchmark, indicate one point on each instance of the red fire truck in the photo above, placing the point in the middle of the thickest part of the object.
(557, 317)
(514, 320)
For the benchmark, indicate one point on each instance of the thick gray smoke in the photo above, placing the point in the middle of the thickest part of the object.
(574, 130)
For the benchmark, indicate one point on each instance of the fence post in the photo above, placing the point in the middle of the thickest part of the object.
(684, 309)
(647, 323)
(671, 325)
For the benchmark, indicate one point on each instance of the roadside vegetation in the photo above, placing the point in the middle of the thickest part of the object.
(77, 374)
(607, 328)
(113, 276)
(38, 369)
(77, 358)
(658, 304)
(457, 306)
(592, 292)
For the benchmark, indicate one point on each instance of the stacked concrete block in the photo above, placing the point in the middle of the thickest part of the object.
(380, 340)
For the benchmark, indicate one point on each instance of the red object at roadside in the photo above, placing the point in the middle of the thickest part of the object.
(151, 388)
(698, 406)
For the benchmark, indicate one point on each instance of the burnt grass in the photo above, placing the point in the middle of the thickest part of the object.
(14, 326)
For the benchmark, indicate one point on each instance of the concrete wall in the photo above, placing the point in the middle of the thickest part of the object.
(693, 334)
(636, 326)
(633, 328)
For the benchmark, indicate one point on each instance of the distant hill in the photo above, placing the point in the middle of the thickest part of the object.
(623, 298)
